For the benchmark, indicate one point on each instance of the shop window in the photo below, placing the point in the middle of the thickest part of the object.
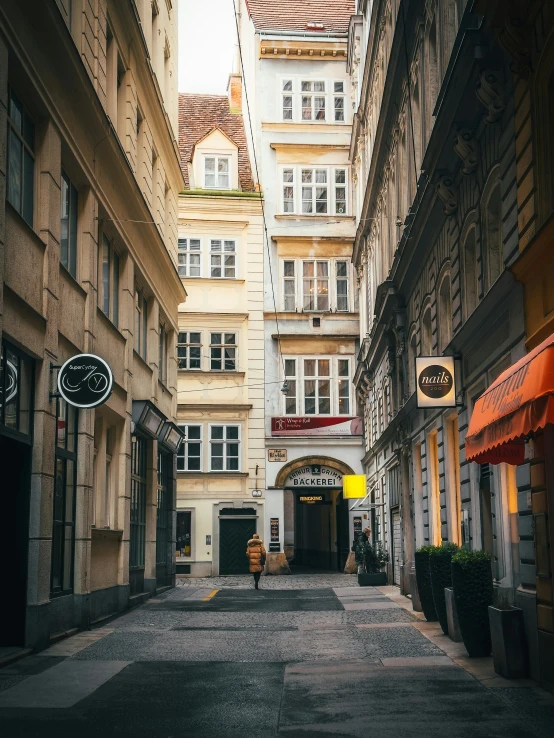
(184, 534)
(63, 531)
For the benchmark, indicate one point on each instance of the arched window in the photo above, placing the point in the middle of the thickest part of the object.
(469, 260)
(445, 313)
(493, 236)
(426, 334)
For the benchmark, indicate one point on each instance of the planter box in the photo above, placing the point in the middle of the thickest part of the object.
(416, 602)
(452, 616)
(509, 647)
(372, 580)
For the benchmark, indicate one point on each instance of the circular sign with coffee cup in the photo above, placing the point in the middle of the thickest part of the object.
(85, 381)
(435, 383)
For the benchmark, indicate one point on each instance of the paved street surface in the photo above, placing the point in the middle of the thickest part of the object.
(306, 655)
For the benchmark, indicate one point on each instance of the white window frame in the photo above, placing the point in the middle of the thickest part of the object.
(314, 185)
(296, 297)
(217, 184)
(296, 185)
(221, 347)
(287, 280)
(287, 93)
(187, 347)
(183, 454)
(222, 254)
(334, 380)
(330, 96)
(314, 95)
(341, 279)
(316, 280)
(185, 252)
(337, 95)
(225, 441)
(292, 380)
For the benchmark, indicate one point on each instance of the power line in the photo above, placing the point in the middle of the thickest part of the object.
(279, 352)
(236, 386)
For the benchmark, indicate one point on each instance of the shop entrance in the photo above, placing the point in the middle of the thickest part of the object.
(320, 529)
(15, 460)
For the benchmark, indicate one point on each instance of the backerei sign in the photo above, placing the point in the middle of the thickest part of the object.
(85, 381)
(435, 381)
(314, 476)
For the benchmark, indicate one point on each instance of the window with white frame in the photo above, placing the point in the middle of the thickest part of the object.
(313, 99)
(322, 190)
(315, 285)
(223, 258)
(189, 350)
(341, 271)
(217, 173)
(287, 99)
(223, 352)
(289, 285)
(318, 386)
(190, 257)
(338, 101)
(189, 456)
(224, 448)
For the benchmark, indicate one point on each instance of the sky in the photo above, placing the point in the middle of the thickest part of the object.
(207, 39)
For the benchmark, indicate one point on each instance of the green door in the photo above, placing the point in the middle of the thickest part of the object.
(233, 537)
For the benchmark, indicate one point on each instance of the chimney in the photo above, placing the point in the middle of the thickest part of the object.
(234, 90)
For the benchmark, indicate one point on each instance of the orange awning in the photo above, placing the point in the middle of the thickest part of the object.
(519, 402)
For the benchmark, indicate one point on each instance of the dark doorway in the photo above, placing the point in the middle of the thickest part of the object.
(164, 576)
(343, 532)
(15, 460)
(234, 534)
(315, 535)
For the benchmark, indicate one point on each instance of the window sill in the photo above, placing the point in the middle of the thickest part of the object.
(109, 323)
(106, 532)
(315, 216)
(219, 473)
(142, 361)
(214, 280)
(211, 372)
(163, 387)
(73, 280)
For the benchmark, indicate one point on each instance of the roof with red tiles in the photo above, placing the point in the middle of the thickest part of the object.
(294, 15)
(199, 115)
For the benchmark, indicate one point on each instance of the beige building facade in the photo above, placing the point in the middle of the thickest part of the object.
(88, 240)
(220, 351)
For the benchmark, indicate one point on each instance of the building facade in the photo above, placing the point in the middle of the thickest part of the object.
(434, 154)
(294, 59)
(221, 465)
(89, 180)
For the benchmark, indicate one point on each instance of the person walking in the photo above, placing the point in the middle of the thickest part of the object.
(256, 557)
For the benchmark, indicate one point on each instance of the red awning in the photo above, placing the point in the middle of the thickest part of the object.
(518, 403)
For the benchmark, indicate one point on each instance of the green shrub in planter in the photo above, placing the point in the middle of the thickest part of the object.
(423, 578)
(472, 584)
(441, 577)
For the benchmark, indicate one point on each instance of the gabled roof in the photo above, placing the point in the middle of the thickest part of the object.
(200, 115)
(293, 15)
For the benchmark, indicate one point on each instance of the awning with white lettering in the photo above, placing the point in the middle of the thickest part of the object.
(518, 403)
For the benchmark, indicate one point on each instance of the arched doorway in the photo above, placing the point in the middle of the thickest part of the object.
(315, 513)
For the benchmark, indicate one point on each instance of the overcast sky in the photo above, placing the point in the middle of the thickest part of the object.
(207, 38)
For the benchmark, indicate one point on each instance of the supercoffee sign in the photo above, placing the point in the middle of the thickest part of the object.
(85, 381)
(435, 381)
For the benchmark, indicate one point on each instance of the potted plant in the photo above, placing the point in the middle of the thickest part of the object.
(423, 579)
(472, 584)
(371, 559)
(439, 568)
(509, 645)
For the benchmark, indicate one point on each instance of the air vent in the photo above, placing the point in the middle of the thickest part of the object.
(182, 568)
(316, 322)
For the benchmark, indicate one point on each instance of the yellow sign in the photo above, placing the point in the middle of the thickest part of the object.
(354, 486)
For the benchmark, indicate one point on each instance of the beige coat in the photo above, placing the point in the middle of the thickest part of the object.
(256, 554)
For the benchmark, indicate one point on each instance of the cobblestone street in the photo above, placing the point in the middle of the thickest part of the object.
(307, 655)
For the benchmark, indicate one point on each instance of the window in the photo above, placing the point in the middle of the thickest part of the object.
(315, 285)
(340, 191)
(470, 273)
(163, 353)
(217, 173)
(322, 190)
(313, 100)
(291, 401)
(63, 530)
(445, 313)
(338, 101)
(288, 191)
(184, 528)
(341, 268)
(20, 183)
(223, 352)
(287, 99)
(189, 456)
(189, 257)
(289, 285)
(16, 389)
(318, 386)
(138, 503)
(68, 238)
(141, 324)
(426, 334)
(224, 448)
(189, 350)
(223, 259)
(315, 192)
(109, 281)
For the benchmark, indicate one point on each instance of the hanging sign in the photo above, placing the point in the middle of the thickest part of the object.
(85, 381)
(435, 381)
